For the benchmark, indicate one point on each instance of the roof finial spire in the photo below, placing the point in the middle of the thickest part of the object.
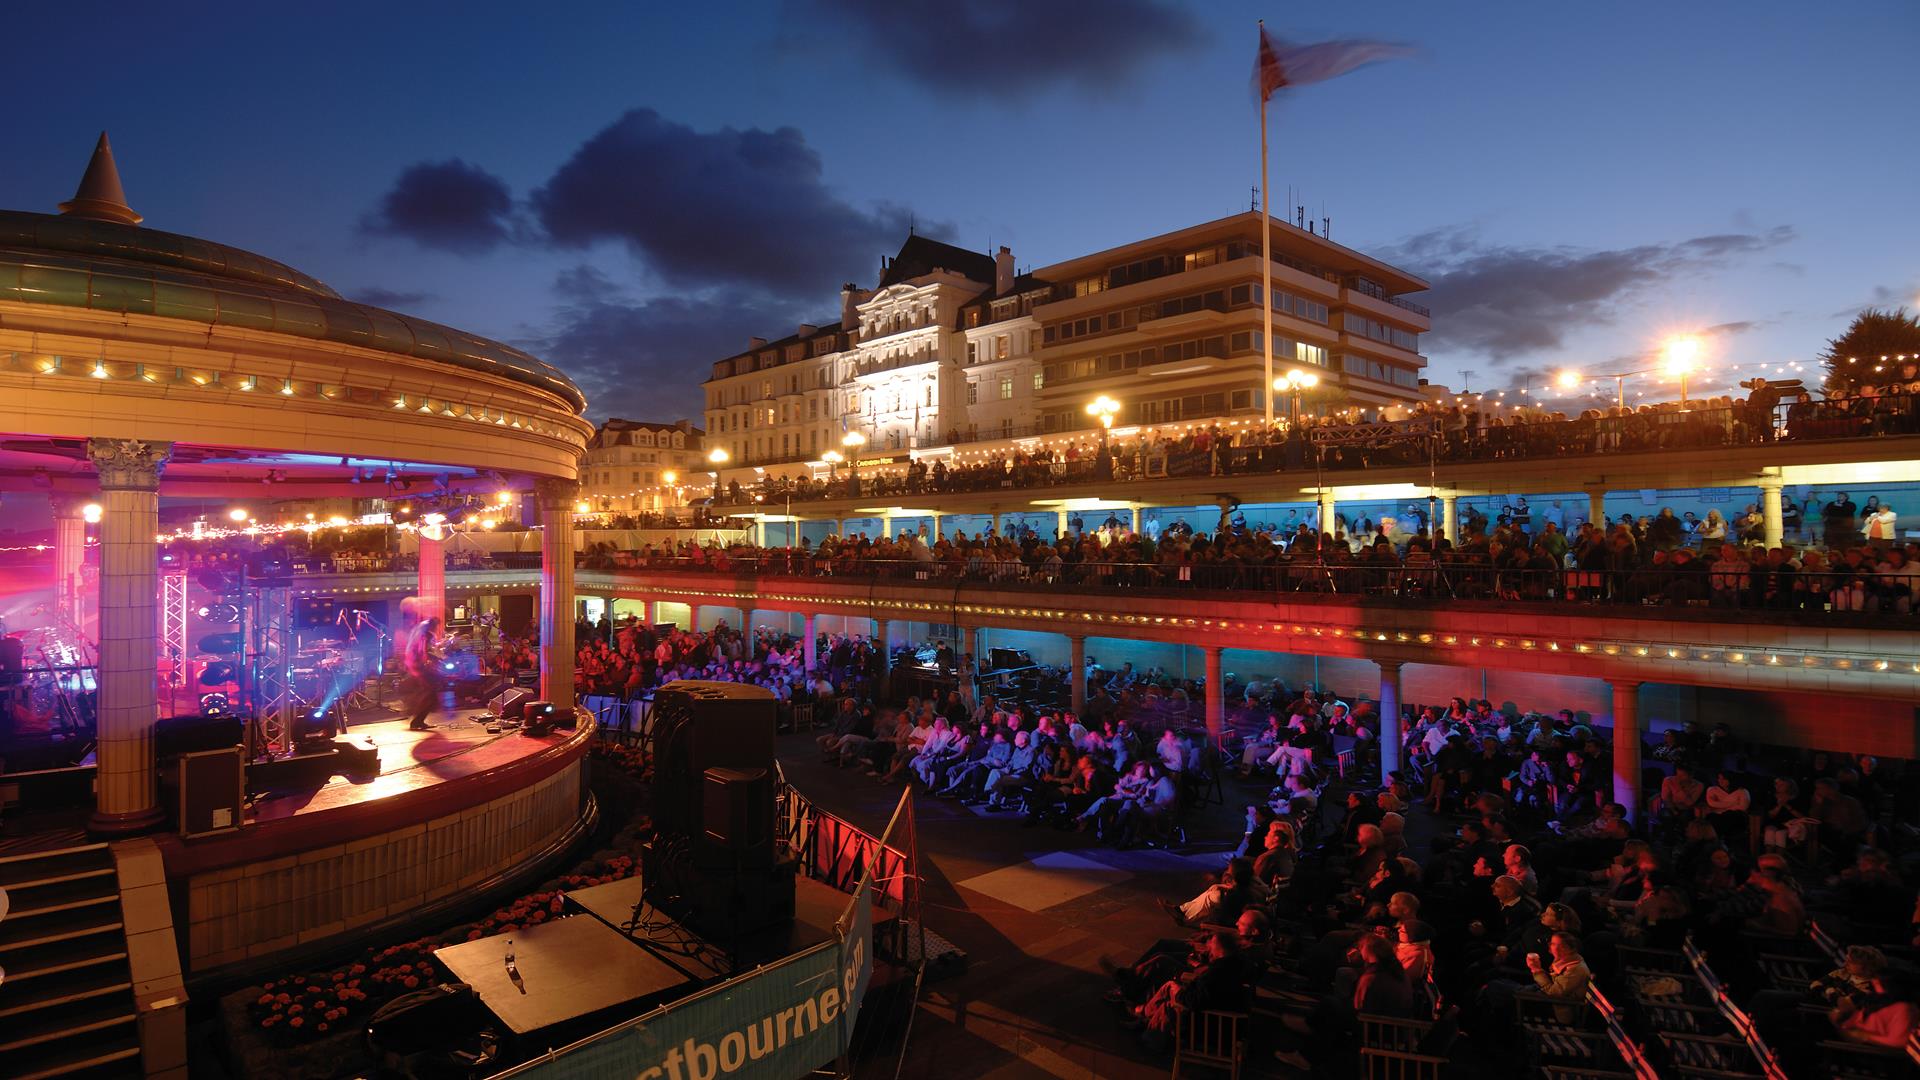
(100, 196)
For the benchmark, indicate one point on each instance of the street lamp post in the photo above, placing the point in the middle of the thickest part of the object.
(1682, 356)
(853, 441)
(718, 458)
(1103, 409)
(1296, 383)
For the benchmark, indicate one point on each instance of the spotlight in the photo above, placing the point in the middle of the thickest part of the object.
(215, 704)
(91, 513)
(237, 514)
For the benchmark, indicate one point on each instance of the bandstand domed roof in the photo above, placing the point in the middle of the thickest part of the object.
(93, 255)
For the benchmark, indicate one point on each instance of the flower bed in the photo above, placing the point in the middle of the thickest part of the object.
(297, 1010)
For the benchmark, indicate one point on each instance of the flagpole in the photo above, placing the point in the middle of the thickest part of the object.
(1266, 255)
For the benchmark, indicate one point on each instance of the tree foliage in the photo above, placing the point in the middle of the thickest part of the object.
(1873, 341)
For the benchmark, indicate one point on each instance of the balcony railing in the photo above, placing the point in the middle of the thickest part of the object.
(1443, 439)
(1817, 596)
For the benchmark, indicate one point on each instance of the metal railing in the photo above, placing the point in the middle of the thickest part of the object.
(1746, 589)
(1423, 440)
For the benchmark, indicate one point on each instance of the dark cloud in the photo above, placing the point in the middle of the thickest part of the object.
(645, 359)
(734, 207)
(446, 205)
(1008, 48)
(1505, 303)
(391, 299)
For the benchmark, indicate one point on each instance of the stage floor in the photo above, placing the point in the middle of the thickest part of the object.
(455, 748)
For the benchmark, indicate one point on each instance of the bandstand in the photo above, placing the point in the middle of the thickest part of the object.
(144, 371)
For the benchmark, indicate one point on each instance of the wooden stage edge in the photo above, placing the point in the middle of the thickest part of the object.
(456, 818)
(454, 768)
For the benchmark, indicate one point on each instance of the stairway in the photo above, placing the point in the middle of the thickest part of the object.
(66, 1002)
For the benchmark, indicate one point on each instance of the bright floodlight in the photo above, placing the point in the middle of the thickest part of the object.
(503, 497)
(719, 456)
(832, 456)
(1682, 355)
(237, 514)
(91, 513)
(669, 476)
(1567, 380)
(583, 507)
(853, 438)
(1103, 408)
(1295, 379)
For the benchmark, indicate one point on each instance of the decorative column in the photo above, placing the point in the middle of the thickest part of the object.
(746, 624)
(1772, 529)
(693, 617)
(1390, 749)
(1597, 507)
(1079, 674)
(649, 611)
(1626, 748)
(1450, 518)
(810, 643)
(432, 586)
(996, 523)
(125, 786)
(1134, 509)
(557, 497)
(1063, 522)
(936, 529)
(1328, 512)
(69, 552)
(881, 633)
(1216, 696)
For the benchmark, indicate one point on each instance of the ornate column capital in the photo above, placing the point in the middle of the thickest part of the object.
(556, 493)
(129, 464)
(68, 504)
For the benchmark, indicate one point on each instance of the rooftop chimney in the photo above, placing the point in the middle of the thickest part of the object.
(850, 297)
(807, 329)
(100, 196)
(756, 342)
(1002, 271)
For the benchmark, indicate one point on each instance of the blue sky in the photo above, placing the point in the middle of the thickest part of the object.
(645, 186)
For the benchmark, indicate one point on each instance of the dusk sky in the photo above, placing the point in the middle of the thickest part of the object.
(632, 191)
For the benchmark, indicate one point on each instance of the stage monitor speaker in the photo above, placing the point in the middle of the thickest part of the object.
(700, 725)
(539, 717)
(178, 735)
(312, 611)
(737, 813)
(509, 704)
(213, 791)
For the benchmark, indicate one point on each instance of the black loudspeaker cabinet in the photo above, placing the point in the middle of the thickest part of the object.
(213, 791)
(509, 704)
(737, 814)
(178, 735)
(699, 725)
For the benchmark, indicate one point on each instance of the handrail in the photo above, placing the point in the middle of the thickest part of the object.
(1736, 1017)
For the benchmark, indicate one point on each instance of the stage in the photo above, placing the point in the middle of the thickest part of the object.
(410, 761)
(450, 813)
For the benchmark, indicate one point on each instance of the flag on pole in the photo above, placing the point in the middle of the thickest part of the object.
(1280, 64)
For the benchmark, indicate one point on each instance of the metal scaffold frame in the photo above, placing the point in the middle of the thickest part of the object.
(269, 668)
(173, 638)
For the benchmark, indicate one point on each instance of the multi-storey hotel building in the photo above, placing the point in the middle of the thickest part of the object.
(954, 346)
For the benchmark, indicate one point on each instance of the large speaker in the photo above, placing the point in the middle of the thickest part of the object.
(699, 725)
(737, 812)
(177, 735)
(509, 704)
(313, 611)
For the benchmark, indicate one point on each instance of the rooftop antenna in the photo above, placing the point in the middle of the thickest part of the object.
(1253, 198)
(1466, 380)
(1300, 217)
(909, 223)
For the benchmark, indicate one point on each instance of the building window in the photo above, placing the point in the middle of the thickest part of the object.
(1039, 378)
(973, 352)
(973, 392)
(1006, 388)
(1002, 347)
(1033, 341)
(1311, 354)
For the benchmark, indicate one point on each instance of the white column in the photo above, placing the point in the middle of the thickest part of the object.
(1216, 695)
(810, 643)
(1327, 511)
(1772, 527)
(1450, 518)
(649, 611)
(1134, 509)
(1063, 522)
(1597, 506)
(1390, 750)
(1079, 674)
(1626, 748)
(935, 538)
(125, 786)
(69, 552)
(557, 497)
(693, 617)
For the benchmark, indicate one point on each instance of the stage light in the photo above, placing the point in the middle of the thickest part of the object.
(237, 514)
(336, 521)
(91, 513)
(503, 497)
(215, 704)
(434, 519)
